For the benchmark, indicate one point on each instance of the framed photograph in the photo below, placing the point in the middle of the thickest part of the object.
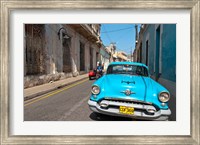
(25, 122)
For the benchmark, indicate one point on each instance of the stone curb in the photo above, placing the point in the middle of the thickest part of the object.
(52, 89)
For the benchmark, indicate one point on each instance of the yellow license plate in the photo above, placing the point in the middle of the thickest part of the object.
(126, 110)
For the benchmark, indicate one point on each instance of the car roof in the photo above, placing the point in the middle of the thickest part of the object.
(129, 63)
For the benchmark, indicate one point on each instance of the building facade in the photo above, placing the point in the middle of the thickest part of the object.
(111, 49)
(105, 57)
(156, 47)
(122, 56)
(56, 51)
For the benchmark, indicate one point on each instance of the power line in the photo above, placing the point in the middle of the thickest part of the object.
(122, 36)
(117, 30)
(107, 34)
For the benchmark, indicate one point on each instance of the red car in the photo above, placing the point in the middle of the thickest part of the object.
(92, 74)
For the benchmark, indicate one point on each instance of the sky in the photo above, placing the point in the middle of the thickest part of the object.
(123, 35)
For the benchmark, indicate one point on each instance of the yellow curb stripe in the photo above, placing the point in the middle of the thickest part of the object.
(56, 92)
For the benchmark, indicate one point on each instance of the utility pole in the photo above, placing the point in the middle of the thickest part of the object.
(136, 37)
(136, 33)
(113, 48)
(132, 54)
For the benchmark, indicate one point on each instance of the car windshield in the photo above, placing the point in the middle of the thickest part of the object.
(127, 69)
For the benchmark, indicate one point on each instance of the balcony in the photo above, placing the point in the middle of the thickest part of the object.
(87, 31)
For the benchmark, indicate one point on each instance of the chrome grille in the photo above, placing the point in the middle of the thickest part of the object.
(138, 105)
(131, 101)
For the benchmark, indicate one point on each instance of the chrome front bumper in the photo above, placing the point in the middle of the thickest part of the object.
(140, 110)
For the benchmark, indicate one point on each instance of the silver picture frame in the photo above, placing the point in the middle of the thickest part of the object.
(193, 5)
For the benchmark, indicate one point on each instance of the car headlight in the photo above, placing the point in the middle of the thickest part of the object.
(95, 90)
(164, 97)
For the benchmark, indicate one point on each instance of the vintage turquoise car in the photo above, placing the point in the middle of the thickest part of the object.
(127, 90)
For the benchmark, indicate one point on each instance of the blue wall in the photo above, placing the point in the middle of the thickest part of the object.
(168, 50)
(150, 31)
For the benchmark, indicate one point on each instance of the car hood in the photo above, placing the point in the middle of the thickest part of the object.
(116, 85)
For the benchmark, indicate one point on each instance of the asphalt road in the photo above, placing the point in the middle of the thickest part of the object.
(66, 104)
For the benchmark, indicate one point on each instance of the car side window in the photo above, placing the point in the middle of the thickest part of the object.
(109, 70)
(140, 70)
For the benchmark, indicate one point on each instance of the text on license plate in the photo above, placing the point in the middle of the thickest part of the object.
(126, 110)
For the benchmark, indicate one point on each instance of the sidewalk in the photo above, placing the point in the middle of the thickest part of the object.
(32, 92)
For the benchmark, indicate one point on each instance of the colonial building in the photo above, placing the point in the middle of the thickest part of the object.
(57, 51)
(111, 50)
(121, 56)
(156, 47)
(105, 57)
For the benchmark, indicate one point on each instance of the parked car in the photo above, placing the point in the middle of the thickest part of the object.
(126, 90)
(92, 74)
(96, 73)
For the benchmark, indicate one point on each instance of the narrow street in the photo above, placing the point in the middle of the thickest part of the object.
(60, 58)
(67, 105)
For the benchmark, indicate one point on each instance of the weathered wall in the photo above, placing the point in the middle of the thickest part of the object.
(105, 57)
(53, 50)
(34, 49)
(62, 56)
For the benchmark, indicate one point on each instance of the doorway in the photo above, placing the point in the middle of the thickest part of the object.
(67, 68)
(157, 58)
(82, 57)
(91, 58)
